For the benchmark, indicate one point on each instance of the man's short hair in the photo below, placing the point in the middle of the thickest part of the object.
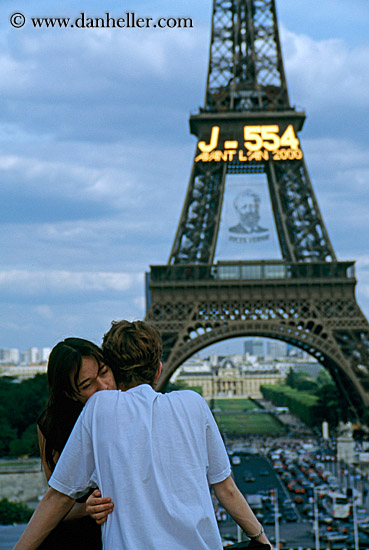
(133, 351)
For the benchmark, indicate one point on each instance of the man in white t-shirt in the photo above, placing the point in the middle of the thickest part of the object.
(154, 454)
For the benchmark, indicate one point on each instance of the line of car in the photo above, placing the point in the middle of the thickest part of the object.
(303, 476)
(263, 503)
(304, 470)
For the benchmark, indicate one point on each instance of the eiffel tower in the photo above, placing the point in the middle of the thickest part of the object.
(306, 298)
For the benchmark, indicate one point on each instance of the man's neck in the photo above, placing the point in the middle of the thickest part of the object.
(125, 387)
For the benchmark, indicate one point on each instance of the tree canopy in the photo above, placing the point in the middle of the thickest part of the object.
(21, 405)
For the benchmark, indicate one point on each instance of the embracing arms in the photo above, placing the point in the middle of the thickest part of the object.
(96, 506)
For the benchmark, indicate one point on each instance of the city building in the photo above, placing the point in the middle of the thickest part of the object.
(240, 375)
(255, 346)
(32, 356)
(276, 349)
(227, 376)
(43, 354)
(22, 372)
(9, 356)
(21, 365)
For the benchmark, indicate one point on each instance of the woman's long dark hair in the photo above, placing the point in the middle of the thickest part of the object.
(61, 413)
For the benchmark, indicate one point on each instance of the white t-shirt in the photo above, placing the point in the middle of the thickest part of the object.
(155, 455)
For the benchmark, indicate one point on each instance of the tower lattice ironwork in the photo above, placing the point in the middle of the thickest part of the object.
(307, 298)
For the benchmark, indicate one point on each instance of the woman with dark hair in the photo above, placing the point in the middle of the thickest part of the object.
(76, 370)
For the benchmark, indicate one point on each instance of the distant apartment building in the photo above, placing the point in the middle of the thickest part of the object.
(255, 346)
(276, 349)
(43, 354)
(23, 364)
(262, 347)
(31, 356)
(9, 356)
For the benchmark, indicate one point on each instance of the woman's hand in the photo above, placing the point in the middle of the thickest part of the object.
(99, 507)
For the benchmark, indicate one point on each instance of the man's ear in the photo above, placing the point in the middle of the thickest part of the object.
(158, 372)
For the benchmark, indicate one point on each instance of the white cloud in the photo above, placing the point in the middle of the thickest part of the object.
(57, 177)
(44, 311)
(363, 261)
(362, 277)
(64, 65)
(99, 85)
(326, 73)
(131, 241)
(62, 281)
(338, 152)
(96, 155)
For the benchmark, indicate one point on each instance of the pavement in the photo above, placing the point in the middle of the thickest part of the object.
(9, 535)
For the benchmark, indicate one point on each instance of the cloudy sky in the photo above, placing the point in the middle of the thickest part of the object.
(95, 151)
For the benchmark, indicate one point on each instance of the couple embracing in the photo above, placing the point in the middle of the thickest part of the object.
(148, 458)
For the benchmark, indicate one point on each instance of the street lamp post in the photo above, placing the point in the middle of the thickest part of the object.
(354, 517)
(316, 519)
(274, 493)
(351, 495)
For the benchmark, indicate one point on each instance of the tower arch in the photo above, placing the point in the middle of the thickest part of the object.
(248, 126)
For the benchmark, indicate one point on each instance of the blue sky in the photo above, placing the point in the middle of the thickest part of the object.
(95, 151)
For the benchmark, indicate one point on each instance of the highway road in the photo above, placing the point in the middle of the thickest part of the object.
(293, 534)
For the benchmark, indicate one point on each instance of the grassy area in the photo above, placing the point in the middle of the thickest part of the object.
(240, 424)
(234, 404)
(243, 423)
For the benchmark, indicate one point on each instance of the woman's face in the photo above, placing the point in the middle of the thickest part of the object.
(92, 377)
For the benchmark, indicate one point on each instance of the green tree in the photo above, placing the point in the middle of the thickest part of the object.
(307, 384)
(27, 444)
(174, 386)
(26, 401)
(291, 378)
(22, 403)
(7, 433)
(181, 385)
(312, 400)
(13, 512)
(300, 403)
(330, 406)
(300, 380)
(324, 378)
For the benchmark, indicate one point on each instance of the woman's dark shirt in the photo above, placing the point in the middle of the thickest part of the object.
(77, 534)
